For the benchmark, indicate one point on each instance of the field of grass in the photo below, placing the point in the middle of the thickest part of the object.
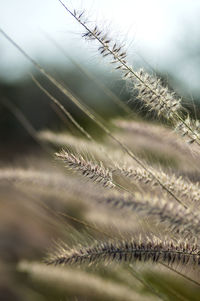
(110, 212)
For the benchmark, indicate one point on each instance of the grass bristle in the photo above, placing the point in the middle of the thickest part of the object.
(96, 173)
(130, 251)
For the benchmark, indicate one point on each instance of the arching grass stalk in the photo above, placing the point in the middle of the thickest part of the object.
(153, 250)
(184, 189)
(97, 173)
(151, 92)
(181, 221)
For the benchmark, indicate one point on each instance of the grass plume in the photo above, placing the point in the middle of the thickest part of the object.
(178, 220)
(130, 251)
(150, 90)
(96, 173)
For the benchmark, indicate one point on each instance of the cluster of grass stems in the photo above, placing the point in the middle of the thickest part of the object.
(143, 218)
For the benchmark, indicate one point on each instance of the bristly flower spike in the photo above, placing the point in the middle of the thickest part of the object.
(178, 219)
(153, 250)
(182, 128)
(150, 91)
(96, 173)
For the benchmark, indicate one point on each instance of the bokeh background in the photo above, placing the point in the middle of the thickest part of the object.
(160, 36)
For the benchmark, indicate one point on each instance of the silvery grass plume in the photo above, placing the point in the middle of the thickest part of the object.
(160, 134)
(153, 250)
(187, 191)
(96, 173)
(81, 283)
(31, 176)
(180, 221)
(50, 182)
(63, 140)
(150, 90)
(159, 143)
(183, 129)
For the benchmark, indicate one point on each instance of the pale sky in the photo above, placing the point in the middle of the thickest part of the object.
(153, 29)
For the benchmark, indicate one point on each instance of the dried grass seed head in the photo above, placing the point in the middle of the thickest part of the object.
(96, 173)
(148, 249)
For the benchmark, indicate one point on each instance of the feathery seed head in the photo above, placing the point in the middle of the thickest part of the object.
(187, 191)
(155, 96)
(178, 219)
(96, 173)
(190, 129)
(150, 90)
(153, 250)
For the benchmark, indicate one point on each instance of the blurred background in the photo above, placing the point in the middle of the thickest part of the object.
(160, 36)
